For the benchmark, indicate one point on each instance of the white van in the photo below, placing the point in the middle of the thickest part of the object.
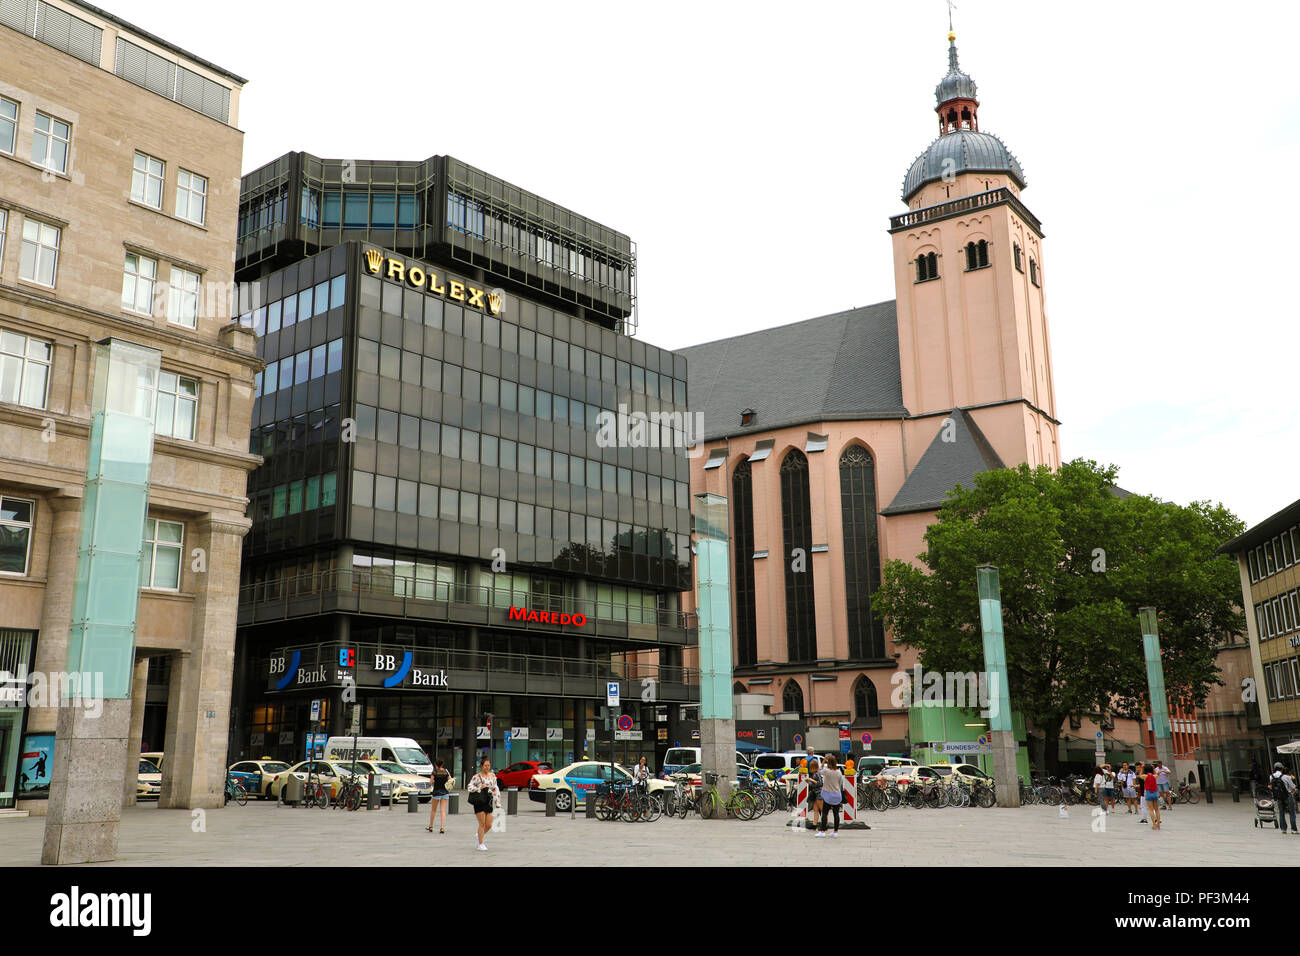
(678, 758)
(399, 750)
(869, 766)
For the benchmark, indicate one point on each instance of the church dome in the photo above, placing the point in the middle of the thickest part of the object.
(956, 84)
(963, 151)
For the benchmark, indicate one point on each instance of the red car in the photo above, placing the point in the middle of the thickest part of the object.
(519, 774)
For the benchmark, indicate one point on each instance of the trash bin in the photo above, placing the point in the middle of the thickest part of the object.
(412, 802)
(589, 804)
(372, 794)
(512, 801)
(291, 792)
(453, 803)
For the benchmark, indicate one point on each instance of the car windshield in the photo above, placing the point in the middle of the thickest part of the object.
(274, 767)
(389, 767)
(147, 767)
(413, 756)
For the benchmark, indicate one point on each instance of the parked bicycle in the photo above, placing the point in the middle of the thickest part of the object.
(235, 791)
(1186, 794)
(740, 804)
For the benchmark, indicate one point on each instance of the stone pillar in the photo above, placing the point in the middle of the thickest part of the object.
(135, 735)
(56, 612)
(83, 815)
(198, 701)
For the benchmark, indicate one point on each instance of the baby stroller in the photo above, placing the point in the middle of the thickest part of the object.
(1265, 809)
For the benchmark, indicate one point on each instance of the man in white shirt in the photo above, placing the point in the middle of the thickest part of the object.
(1283, 787)
(1098, 782)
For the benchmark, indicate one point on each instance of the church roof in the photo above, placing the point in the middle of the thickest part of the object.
(945, 465)
(964, 151)
(783, 374)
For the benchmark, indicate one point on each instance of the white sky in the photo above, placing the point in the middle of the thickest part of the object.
(755, 152)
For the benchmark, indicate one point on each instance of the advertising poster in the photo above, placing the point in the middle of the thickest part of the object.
(35, 764)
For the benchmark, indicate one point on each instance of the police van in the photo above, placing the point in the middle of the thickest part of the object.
(399, 750)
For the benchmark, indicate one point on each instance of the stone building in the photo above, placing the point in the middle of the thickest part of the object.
(120, 159)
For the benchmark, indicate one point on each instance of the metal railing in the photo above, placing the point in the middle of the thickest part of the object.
(386, 584)
(992, 197)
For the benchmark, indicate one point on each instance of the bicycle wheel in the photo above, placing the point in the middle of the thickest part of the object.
(709, 805)
(241, 795)
(915, 798)
(354, 798)
(987, 797)
(632, 809)
(655, 808)
(1051, 796)
(1191, 796)
(893, 796)
(742, 805)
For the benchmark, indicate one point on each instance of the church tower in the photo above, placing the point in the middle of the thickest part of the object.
(969, 275)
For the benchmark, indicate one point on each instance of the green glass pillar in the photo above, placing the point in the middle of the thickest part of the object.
(1002, 738)
(713, 596)
(1156, 687)
(93, 737)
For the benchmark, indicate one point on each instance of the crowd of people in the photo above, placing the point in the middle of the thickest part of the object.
(1144, 788)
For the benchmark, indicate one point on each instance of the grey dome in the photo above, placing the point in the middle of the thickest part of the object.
(964, 151)
(956, 83)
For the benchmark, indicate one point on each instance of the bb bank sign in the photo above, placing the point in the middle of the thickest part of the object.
(334, 666)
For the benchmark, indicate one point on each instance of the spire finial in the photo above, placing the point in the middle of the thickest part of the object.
(951, 7)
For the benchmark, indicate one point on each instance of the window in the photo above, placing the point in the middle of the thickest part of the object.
(161, 565)
(927, 267)
(742, 497)
(792, 699)
(40, 254)
(977, 255)
(24, 369)
(50, 143)
(796, 522)
(861, 552)
(139, 276)
(4, 222)
(1020, 262)
(865, 705)
(183, 298)
(178, 403)
(8, 125)
(15, 534)
(191, 196)
(147, 180)
(1033, 270)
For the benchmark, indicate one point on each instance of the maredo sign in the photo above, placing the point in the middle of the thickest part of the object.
(546, 617)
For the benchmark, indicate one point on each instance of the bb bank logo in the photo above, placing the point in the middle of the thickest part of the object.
(416, 277)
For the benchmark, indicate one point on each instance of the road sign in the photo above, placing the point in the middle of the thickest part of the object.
(798, 741)
(625, 722)
(845, 742)
(356, 720)
(508, 738)
(866, 738)
(844, 731)
(627, 735)
(611, 693)
(315, 710)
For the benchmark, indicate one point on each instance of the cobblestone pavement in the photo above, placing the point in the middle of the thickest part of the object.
(264, 834)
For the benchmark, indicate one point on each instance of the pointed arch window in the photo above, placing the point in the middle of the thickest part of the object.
(858, 510)
(796, 524)
(1018, 256)
(866, 708)
(742, 498)
(977, 255)
(1033, 270)
(792, 699)
(927, 267)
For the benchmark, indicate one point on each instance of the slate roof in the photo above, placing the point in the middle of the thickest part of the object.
(964, 151)
(784, 376)
(945, 465)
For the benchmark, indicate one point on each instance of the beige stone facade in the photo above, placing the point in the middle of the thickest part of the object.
(148, 188)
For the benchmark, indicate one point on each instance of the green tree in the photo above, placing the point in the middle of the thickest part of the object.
(1076, 560)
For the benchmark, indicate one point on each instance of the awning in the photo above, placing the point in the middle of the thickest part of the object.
(1292, 748)
(745, 747)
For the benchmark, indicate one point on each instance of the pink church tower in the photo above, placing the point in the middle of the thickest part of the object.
(969, 276)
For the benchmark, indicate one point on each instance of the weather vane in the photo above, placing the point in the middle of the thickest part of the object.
(951, 7)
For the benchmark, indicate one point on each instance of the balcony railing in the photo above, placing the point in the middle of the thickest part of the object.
(993, 197)
(385, 592)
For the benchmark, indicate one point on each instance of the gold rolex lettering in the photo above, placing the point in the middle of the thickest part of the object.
(494, 302)
(396, 270)
(374, 260)
(476, 297)
(415, 276)
(457, 290)
(433, 284)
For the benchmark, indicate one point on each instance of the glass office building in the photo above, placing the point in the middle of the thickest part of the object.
(473, 500)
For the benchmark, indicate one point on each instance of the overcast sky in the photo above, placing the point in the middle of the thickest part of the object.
(755, 151)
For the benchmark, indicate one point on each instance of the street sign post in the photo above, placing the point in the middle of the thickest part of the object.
(866, 741)
(611, 693)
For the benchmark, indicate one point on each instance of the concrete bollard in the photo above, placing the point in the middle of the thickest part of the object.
(453, 801)
(372, 795)
(550, 803)
(512, 802)
(590, 805)
(412, 803)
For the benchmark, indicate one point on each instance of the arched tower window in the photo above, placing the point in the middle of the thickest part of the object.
(927, 267)
(738, 688)
(792, 699)
(861, 552)
(742, 501)
(1019, 257)
(977, 255)
(866, 709)
(965, 118)
(796, 525)
(1033, 270)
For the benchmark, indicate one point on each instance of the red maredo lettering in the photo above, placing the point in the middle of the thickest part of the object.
(546, 617)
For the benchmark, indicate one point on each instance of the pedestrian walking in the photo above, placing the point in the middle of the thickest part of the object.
(1127, 782)
(832, 796)
(438, 803)
(1098, 785)
(484, 795)
(814, 790)
(1283, 787)
(1139, 787)
(1151, 795)
(1162, 784)
(1108, 786)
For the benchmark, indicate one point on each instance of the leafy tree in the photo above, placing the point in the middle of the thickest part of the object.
(1076, 560)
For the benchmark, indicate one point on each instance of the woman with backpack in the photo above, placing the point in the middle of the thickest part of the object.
(483, 797)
